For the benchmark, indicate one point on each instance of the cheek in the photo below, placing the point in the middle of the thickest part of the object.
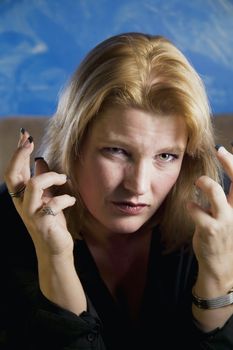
(99, 176)
(166, 181)
(169, 181)
(108, 173)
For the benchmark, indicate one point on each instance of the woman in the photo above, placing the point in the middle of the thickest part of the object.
(123, 230)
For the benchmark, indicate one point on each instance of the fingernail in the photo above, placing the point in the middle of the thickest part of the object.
(221, 149)
(232, 143)
(28, 141)
(37, 158)
(218, 146)
(22, 130)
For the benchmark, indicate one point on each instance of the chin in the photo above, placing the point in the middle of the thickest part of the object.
(126, 227)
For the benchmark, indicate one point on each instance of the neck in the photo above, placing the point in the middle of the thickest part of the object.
(109, 240)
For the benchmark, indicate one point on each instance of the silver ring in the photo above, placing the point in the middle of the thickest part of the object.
(48, 211)
(18, 193)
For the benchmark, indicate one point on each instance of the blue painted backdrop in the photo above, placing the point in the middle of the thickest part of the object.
(42, 42)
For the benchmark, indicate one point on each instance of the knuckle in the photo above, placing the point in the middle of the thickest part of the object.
(214, 229)
(54, 173)
(9, 178)
(214, 188)
(67, 197)
(56, 200)
(8, 174)
(33, 183)
(6, 177)
(51, 173)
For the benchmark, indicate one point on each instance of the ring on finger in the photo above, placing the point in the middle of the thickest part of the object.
(17, 194)
(46, 210)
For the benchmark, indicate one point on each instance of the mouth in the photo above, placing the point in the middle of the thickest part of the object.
(130, 208)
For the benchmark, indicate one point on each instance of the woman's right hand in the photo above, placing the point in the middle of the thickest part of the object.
(42, 214)
(47, 227)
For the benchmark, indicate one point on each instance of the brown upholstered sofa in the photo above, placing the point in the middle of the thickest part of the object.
(10, 126)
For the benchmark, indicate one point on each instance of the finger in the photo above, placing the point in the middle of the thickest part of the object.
(21, 157)
(18, 169)
(230, 193)
(200, 216)
(40, 167)
(226, 159)
(34, 196)
(57, 204)
(24, 134)
(214, 193)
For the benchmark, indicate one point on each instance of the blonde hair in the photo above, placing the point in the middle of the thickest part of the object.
(136, 70)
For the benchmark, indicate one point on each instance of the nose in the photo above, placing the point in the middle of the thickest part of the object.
(137, 178)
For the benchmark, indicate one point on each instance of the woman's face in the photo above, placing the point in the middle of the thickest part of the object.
(129, 162)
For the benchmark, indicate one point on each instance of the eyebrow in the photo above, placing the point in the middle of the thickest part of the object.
(172, 149)
(176, 149)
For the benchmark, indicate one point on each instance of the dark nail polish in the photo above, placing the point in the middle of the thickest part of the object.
(30, 139)
(232, 143)
(37, 158)
(22, 130)
(218, 146)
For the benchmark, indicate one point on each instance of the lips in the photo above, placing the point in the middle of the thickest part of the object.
(130, 208)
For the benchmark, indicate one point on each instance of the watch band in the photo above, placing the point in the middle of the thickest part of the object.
(224, 300)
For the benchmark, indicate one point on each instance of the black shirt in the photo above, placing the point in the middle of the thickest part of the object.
(29, 321)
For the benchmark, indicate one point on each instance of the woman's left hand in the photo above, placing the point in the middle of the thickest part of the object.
(213, 237)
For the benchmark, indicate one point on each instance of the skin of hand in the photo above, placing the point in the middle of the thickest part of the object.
(49, 233)
(213, 244)
(53, 242)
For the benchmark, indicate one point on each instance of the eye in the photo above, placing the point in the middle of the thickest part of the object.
(167, 157)
(115, 151)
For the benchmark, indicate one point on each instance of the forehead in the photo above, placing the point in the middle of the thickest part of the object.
(134, 123)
